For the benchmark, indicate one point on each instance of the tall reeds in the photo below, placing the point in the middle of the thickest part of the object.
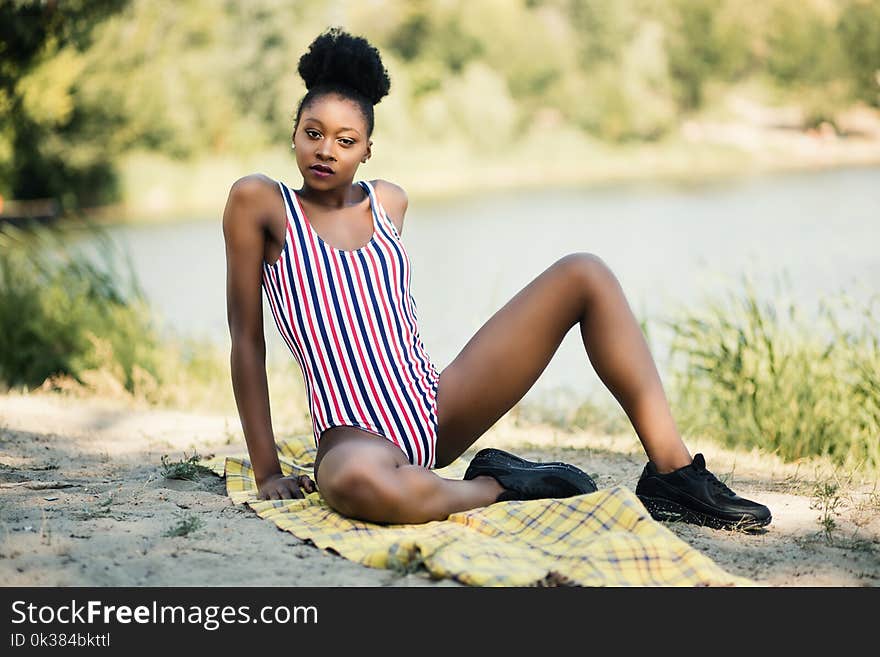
(62, 314)
(753, 373)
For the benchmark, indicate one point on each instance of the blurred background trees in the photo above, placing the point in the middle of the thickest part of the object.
(82, 83)
(53, 143)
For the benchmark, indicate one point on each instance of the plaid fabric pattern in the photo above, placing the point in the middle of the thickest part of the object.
(605, 538)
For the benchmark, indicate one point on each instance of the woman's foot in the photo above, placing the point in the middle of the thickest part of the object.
(693, 494)
(526, 480)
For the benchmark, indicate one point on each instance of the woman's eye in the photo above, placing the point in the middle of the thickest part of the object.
(347, 142)
(314, 134)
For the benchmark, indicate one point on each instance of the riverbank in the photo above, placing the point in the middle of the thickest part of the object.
(745, 139)
(84, 503)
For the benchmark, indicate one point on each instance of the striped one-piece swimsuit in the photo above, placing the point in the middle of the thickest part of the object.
(349, 319)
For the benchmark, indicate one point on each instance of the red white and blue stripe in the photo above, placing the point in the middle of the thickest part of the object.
(349, 319)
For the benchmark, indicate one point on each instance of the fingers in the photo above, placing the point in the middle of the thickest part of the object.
(291, 491)
(288, 488)
(306, 483)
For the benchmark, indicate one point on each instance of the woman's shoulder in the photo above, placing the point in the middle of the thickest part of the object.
(254, 185)
(255, 200)
(394, 199)
(258, 192)
(388, 189)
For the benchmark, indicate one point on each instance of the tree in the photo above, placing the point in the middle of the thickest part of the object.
(40, 57)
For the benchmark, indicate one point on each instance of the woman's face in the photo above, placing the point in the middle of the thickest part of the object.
(331, 141)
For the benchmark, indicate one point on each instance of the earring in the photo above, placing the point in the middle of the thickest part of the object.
(293, 146)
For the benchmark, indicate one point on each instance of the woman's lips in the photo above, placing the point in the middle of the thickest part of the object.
(321, 171)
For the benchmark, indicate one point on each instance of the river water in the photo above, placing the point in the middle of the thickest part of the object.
(672, 247)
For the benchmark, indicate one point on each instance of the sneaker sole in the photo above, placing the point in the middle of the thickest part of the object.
(667, 511)
(555, 473)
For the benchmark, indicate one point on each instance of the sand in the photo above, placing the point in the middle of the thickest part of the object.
(83, 503)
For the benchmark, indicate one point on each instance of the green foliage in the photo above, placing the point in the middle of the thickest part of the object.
(83, 84)
(694, 52)
(633, 98)
(802, 46)
(859, 32)
(63, 314)
(188, 468)
(100, 509)
(749, 377)
(828, 500)
(186, 524)
(50, 147)
(425, 32)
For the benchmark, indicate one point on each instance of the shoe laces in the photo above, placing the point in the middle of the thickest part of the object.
(714, 482)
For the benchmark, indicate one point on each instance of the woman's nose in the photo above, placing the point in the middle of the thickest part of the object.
(325, 149)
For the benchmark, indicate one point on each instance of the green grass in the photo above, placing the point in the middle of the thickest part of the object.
(64, 315)
(753, 373)
(188, 468)
(100, 509)
(828, 500)
(185, 526)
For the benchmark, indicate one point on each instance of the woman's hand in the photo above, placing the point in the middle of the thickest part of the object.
(279, 487)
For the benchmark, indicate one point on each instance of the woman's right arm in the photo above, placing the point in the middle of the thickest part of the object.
(244, 231)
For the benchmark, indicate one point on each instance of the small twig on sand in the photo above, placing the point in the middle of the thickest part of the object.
(38, 485)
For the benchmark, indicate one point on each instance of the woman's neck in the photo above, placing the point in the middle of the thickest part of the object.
(335, 199)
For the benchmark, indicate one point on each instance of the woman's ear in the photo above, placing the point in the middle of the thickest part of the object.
(368, 154)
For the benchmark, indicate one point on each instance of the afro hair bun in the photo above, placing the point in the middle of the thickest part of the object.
(339, 59)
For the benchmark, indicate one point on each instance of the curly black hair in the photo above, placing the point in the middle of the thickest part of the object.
(339, 63)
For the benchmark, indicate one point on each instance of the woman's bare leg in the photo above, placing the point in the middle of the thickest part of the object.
(364, 476)
(505, 357)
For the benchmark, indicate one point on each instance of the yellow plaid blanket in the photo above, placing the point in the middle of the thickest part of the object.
(606, 538)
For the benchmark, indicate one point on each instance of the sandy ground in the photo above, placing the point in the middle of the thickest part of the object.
(83, 503)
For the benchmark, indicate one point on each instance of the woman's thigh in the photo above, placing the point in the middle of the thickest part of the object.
(356, 472)
(505, 357)
(341, 445)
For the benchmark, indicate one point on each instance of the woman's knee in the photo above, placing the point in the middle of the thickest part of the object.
(358, 489)
(589, 272)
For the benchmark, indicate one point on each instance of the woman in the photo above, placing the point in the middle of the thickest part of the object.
(336, 275)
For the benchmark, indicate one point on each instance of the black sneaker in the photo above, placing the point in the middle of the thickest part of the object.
(525, 480)
(693, 494)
